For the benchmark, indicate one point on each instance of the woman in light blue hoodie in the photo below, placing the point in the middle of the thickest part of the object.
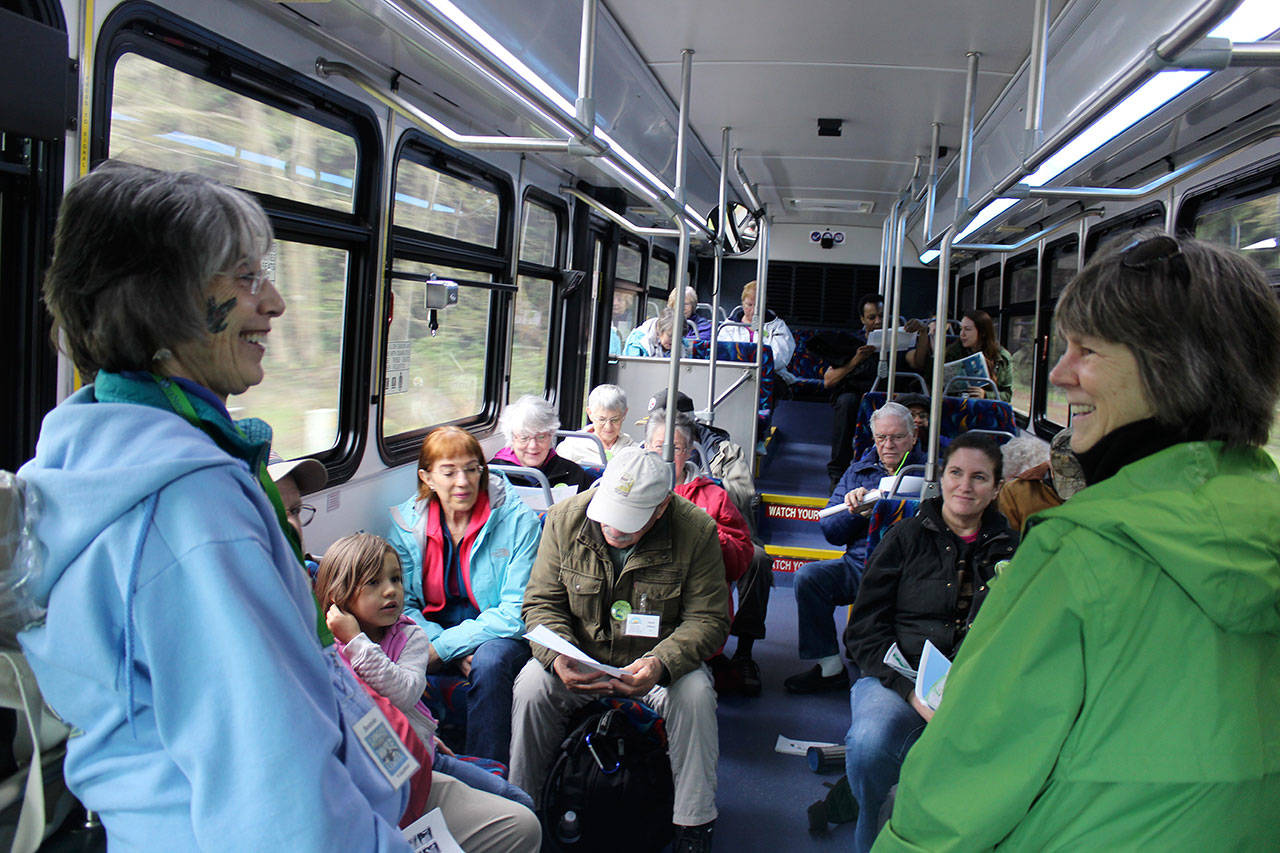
(181, 640)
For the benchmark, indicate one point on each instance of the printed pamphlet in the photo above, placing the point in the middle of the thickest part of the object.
(932, 679)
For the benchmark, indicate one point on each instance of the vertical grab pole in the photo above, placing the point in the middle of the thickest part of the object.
(966, 137)
(939, 357)
(585, 107)
(890, 335)
(682, 262)
(932, 190)
(722, 229)
(886, 279)
(1035, 80)
(762, 293)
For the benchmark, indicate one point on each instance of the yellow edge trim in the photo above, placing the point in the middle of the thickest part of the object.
(803, 553)
(793, 500)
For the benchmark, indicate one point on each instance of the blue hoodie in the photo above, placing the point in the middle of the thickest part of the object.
(180, 644)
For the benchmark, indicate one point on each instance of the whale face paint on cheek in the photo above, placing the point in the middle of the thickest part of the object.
(216, 314)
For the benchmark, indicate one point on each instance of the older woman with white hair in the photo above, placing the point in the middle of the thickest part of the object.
(652, 338)
(1119, 689)
(529, 425)
(607, 410)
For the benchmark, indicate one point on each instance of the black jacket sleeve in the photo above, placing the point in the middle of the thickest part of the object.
(872, 625)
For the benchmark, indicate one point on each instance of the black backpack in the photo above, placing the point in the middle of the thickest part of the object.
(610, 787)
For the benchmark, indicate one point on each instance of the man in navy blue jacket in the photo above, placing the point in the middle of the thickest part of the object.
(823, 585)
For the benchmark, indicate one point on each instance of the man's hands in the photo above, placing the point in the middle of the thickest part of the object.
(638, 678)
(853, 498)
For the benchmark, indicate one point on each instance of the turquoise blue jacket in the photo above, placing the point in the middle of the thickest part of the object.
(501, 558)
(180, 642)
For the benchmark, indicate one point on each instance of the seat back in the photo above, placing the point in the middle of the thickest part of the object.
(886, 513)
(959, 415)
(744, 352)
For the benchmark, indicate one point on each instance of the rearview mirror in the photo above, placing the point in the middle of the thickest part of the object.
(741, 231)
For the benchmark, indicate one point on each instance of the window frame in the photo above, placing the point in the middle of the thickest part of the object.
(160, 36)
(1241, 186)
(553, 273)
(422, 247)
(985, 274)
(1148, 215)
(1040, 422)
(1017, 310)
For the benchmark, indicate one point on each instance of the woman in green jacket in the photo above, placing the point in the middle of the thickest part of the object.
(1120, 689)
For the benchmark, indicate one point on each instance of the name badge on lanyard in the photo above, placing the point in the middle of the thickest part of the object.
(641, 623)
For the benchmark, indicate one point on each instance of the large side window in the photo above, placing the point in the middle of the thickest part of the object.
(178, 98)
(1019, 325)
(967, 291)
(1060, 263)
(442, 364)
(628, 289)
(989, 291)
(657, 283)
(1243, 215)
(1112, 230)
(541, 238)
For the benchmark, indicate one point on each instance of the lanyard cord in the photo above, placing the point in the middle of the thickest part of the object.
(182, 405)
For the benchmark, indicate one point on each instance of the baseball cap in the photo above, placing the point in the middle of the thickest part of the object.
(634, 483)
(309, 474)
(684, 403)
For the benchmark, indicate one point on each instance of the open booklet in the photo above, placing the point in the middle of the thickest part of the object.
(536, 499)
(430, 834)
(879, 338)
(930, 679)
(971, 367)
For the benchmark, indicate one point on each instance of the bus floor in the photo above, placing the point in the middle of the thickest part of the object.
(763, 795)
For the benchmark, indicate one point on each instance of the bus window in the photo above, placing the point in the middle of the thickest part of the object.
(1113, 230)
(1061, 262)
(539, 256)
(440, 378)
(299, 396)
(1022, 274)
(434, 202)
(163, 118)
(989, 291)
(628, 274)
(657, 283)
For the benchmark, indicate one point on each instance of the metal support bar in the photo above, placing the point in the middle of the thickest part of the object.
(440, 130)
(752, 198)
(931, 191)
(1186, 169)
(1255, 54)
(1025, 241)
(617, 218)
(762, 294)
(585, 106)
(939, 358)
(1035, 84)
(682, 264)
(887, 264)
(966, 134)
(890, 333)
(722, 228)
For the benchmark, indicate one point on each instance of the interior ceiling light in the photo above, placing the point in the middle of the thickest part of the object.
(929, 256)
(451, 11)
(835, 205)
(1251, 21)
(1269, 243)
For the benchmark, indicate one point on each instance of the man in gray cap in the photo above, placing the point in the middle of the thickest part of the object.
(632, 575)
(295, 479)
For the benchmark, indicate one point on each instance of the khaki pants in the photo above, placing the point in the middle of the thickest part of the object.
(542, 704)
(482, 822)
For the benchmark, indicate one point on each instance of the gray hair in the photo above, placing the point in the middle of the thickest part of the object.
(896, 410)
(658, 423)
(665, 321)
(134, 252)
(675, 293)
(607, 398)
(530, 414)
(1205, 374)
(1022, 453)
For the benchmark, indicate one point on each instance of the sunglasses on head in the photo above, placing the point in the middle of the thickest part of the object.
(1144, 253)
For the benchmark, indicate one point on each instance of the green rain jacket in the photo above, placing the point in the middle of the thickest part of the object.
(1120, 689)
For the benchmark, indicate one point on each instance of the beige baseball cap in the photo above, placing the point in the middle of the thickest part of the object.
(634, 483)
(308, 473)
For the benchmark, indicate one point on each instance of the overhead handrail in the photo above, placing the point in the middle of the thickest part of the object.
(617, 218)
(539, 479)
(1028, 240)
(757, 207)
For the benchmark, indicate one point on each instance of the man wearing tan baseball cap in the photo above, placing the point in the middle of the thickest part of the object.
(632, 575)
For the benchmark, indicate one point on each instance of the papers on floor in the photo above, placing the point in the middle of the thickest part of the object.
(535, 497)
(544, 636)
(932, 679)
(430, 834)
(791, 746)
(879, 339)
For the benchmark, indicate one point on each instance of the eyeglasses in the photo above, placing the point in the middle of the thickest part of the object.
(607, 421)
(894, 437)
(1142, 254)
(251, 282)
(531, 437)
(449, 471)
(303, 512)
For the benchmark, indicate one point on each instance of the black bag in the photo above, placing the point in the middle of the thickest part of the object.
(610, 787)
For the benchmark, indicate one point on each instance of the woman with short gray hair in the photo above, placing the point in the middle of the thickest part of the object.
(529, 426)
(606, 411)
(1120, 682)
(180, 635)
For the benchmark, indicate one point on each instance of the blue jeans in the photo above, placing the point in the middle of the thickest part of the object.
(480, 779)
(494, 667)
(821, 586)
(884, 728)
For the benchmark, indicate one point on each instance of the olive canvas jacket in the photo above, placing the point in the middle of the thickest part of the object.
(677, 566)
(1120, 689)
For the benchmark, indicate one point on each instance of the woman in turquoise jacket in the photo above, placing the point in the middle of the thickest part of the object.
(466, 543)
(1120, 689)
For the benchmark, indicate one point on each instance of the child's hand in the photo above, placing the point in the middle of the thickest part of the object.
(442, 747)
(343, 625)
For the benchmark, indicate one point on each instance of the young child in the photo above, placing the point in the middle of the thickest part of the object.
(359, 583)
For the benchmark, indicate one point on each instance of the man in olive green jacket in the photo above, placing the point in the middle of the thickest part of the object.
(632, 575)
